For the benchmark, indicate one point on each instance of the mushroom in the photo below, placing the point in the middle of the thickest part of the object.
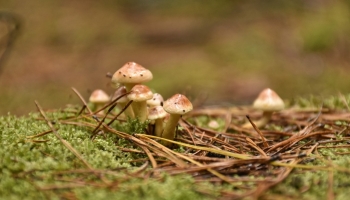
(268, 101)
(131, 74)
(156, 114)
(157, 100)
(122, 102)
(140, 94)
(176, 106)
(98, 98)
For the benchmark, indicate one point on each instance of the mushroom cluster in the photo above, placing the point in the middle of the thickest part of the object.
(137, 101)
(162, 115)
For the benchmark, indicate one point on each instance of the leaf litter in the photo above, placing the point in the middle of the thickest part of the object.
(249, 161)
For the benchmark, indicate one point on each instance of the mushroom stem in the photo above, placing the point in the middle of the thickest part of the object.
(129, 86)
(98, 106)
(128, 111)
(169, 129)
(158, 127)
(140, 110)
(261, 122)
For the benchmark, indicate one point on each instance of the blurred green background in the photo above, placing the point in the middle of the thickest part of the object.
(217, 52)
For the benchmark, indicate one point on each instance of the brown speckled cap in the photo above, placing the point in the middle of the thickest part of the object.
(178, 104)
(140, 93)
(156, 112)
(99, 96)
(118, 92)
(268, 100)
(132, 72)
(156, 100)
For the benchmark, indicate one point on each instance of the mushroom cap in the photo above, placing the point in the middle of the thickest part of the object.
(120, 91)
(132, 72)
(268, 100)
(99, 96)
(156, 112)
(177, 104)
(140, 93)
(156, 100)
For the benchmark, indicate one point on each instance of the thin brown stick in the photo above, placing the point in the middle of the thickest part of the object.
(150, 156)
(115, 118)
(39, 135)
(251, 143)
(104, 118)
(81, 110)
(259, 132)
(111, 103)
(82, 99)
(226, 179)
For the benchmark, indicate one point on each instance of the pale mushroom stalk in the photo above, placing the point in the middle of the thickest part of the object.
(98, 107)
(176, 106)
(128, 111)
(129, 86)
(170, 127)
(158, 127)
(140, 94)
(140, 110)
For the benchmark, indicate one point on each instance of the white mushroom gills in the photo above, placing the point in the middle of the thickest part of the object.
(131, 74)
(176, 106)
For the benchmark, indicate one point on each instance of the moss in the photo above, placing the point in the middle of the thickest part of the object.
(26, 165)
(133, 126)
(181, 187)
(340, 102)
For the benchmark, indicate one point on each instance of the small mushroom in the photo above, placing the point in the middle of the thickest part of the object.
(98, 98)
(213, 124)
(157, 100)
(176, 106)
(122, 102)
(131, 74)
(140, 94)
(156, 115)
(268, 101)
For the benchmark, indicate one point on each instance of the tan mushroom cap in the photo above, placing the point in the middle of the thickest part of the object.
(132, 72)
(156, 100)
(140, 93)
(178, 104)
(156, 112)
(268, 100)
(99, 96)
(118, 92)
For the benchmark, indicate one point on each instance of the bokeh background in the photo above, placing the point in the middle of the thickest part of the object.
(217, 52)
